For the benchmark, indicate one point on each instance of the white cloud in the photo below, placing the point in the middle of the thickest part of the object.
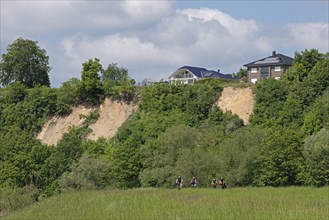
(175, 41)
(146, 10)
(150, 38)
(309, 35)
(45, 17)
(235, 27)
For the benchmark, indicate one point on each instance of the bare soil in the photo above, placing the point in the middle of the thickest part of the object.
(112, 116)
(239, 101)
(57, 126)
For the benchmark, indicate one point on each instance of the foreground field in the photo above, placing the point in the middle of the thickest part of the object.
(238, 203)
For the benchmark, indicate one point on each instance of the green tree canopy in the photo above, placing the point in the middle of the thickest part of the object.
(242, 74)
(114, 75)
(303, 63)
(117, 83)
(316, 153)
(24, 62)
(90, 87)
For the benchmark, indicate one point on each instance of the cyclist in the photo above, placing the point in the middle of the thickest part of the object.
(193, 182)
(179, 182)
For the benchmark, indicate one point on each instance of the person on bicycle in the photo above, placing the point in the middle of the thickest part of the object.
(179, 182)
(193, 182)
(213, 183)
(222, 184)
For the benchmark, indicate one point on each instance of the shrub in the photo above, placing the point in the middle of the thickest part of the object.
(87, 173)
(14, 198)
(316, 153)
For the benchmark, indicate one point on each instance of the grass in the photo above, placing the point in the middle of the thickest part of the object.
(237, 203)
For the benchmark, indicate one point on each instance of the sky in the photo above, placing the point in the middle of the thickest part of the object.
(152, 39)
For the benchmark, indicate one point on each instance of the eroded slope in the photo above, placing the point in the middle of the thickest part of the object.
(239, 101)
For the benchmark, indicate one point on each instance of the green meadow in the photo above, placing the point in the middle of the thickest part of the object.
(154, 203)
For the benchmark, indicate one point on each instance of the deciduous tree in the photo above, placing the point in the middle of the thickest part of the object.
(24, 62)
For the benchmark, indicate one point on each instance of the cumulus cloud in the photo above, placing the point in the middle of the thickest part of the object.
(233, 26)
(202, 37)
(45, 17)
(150, 38)
(146, 10)
(309, 35)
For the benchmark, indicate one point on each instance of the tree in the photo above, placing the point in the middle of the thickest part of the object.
(242, 74)
(281, 158)
(316, 153)
(68, 95)
(90, 87)
(116, 82)
(240, 155)
(114, 75)
(87, 173)
(271, 96)
(24, 62)
(318, 116)
(303, 64)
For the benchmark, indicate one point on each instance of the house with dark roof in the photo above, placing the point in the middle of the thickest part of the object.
(190, 74)
(269, 67)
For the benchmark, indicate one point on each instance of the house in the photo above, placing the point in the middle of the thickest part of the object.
(269, 67)
(147, 82)
(190, 74)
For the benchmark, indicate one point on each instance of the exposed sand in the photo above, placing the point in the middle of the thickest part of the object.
(239, 101)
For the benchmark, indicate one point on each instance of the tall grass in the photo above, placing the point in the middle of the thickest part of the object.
(238, 203)
(13, 199)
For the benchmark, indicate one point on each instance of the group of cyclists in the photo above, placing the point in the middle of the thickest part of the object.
(193, 183)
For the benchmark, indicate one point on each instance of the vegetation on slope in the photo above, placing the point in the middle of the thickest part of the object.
(177, 131)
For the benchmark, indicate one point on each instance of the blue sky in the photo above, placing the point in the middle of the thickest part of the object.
(154, 38)
(276, 12)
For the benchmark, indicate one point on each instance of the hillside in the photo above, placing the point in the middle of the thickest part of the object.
(178, 130)
(54, 129)
(239, 101)
(112, 114)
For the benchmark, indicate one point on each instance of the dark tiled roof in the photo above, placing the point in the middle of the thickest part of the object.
(204, 73)
(195, 70)
(275, 59)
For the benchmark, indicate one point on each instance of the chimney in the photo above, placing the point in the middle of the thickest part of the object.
(218, 70)
(273, 53)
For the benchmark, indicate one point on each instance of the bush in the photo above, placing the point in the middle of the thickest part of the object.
(87, 173)
(14, 198)
(316, 153)
(239, 156)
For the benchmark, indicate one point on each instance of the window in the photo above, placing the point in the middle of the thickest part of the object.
(253, 80)
(264, 72)
(253, 70)
(277, 78)
(277, 68)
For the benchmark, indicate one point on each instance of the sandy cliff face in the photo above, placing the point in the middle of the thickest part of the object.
(114, 113)
(239, 101)
(56, 127)
(112, 116)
